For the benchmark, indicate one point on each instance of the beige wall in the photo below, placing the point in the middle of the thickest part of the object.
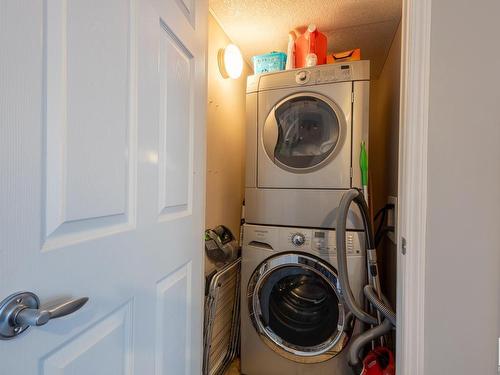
(383, 152)
(462, 298)
(225, 138)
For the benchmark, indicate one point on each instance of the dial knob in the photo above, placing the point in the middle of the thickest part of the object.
(302, 76)
(298, 239)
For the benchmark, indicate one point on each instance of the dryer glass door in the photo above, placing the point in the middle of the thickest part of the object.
(308, 132)
(295, 306)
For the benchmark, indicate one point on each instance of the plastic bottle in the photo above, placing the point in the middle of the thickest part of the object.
(290, 55)
(312, 42)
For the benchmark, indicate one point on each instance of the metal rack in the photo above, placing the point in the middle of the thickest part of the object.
(221, 335)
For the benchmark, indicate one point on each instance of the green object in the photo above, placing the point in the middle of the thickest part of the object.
(363, 165)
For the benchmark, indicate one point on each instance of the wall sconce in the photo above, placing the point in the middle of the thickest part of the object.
(230, 62)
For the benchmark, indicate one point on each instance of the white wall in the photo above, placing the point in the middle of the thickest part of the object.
(383, 152)
(462, 320)
(225, 138)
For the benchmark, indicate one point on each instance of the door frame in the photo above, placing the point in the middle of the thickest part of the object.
(412, 207)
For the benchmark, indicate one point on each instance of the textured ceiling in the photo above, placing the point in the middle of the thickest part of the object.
(260, 26)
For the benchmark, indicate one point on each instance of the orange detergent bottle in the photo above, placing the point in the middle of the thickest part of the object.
(310, 48)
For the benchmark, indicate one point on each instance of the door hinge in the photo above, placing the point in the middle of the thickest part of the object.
(352, 173)
(403, 245)
(352, 97)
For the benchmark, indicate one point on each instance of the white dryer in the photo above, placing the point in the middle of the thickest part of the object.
(304, 131)
(293, 318)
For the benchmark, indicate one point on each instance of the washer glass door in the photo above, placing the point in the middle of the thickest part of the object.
(302, 132)
(296, 308)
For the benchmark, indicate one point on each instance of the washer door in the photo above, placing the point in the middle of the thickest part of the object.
(302, 132)
(296, 308)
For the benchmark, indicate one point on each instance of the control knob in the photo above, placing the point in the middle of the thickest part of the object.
(298, 239)
(301, 77)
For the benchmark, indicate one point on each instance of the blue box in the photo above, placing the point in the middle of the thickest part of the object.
(269, 62)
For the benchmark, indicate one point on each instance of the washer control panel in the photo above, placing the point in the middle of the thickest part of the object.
(320, 241)
(327, 241)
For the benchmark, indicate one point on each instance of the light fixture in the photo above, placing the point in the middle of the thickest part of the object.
(230, 62)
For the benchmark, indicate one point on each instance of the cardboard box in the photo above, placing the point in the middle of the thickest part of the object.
(351, 55)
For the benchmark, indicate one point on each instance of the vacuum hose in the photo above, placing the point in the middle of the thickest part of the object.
(381, 306)
(343, 210)
(377, 300)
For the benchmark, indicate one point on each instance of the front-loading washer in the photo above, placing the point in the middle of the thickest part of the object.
(304, 134)
(293, 318)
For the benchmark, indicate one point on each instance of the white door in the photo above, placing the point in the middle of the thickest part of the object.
(102, 112)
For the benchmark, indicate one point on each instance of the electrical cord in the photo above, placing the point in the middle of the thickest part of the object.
(383, 210)
(380, 235)
(382, 229)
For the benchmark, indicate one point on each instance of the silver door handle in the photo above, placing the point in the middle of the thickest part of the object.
(35, 317)
(21, 310)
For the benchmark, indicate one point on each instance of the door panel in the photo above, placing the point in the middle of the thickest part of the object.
(90, 139)
(102, 113)
(96, 49)
(173, 294)
(109, 340)
(175, 161)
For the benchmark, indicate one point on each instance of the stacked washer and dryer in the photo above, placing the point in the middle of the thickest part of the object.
(304, 134)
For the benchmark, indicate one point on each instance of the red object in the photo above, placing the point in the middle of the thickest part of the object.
(312, 41)
(379, 361)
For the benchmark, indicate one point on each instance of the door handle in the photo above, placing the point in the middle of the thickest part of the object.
(21, 310)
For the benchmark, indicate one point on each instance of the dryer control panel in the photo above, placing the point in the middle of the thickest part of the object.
(327, 73)
(339, 72)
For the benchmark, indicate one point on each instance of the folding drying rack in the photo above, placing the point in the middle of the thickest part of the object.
(221, 335)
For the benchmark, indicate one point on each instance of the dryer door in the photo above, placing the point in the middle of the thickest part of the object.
(296, 308)
(305, 138)
(302, 132)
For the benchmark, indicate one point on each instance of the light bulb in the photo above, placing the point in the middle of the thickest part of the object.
(230, 62)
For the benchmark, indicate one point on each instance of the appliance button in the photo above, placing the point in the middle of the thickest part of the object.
(298, 239)
(302, 77)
